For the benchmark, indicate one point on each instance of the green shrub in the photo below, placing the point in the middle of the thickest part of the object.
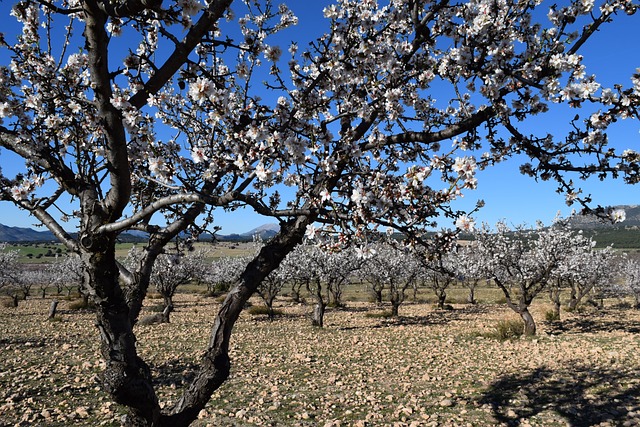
(386, 314)
(262, 310)
(80, 304)
(507, 329)
(156, 308)
(551, 316)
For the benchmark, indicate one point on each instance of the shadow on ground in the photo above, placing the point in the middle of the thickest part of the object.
(601, 321)
(580, 396)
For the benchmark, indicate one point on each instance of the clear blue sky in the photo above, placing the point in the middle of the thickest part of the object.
(612, 55)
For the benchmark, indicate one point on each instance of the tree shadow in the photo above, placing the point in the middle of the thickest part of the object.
(600, 322)
(582, 396)
(432, 318)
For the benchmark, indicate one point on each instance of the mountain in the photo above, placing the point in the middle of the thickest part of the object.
(265, 231)
(591, 222)
(22, 234)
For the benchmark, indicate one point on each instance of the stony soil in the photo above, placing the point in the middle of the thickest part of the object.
(427, 368)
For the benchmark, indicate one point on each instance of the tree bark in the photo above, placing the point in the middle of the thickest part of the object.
(317, 316)
(442, 298)
(471, 297)
(215, 364)
(395, 308)
(52, 309)
(529, 323)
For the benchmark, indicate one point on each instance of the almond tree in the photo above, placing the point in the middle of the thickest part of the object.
(178, 266)
(471, 269)
(271, 286)
(392, 268)
(157, 129)
(439, 272)
(583, 270)
(522, 262)
(630, 270)
(9, 272)
(223, 273)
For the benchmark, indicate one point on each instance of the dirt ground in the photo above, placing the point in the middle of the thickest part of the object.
(427, 368)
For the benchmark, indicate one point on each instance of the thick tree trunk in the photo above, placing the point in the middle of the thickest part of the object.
(396, 299)
(127, 378)
(215, 363)
(529, 323)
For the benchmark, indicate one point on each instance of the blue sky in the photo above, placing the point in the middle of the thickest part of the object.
(612, 55)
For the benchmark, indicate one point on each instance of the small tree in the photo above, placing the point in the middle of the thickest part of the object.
(524, 260)
(270, 287)
(582, 271)
(630, 272)
(471, 269)
(392, 268)
(172, 270)
(223, 273)
(9, 273)
(438, 273)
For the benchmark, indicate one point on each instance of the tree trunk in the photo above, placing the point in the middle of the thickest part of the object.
(215, 364)
(471, 297)
(395, 308)
(396, 298)
(52, 309)
(317, 316)
(168, 308)
(295, 293)
(127, 378)
(529, 323)
(442, 298)
(554, 296)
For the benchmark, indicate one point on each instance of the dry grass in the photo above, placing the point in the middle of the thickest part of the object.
(427, 368)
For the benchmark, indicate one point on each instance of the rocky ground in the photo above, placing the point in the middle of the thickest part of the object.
(427, 368)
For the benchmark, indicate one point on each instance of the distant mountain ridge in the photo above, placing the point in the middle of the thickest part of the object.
(23, 234)
(591, 222)
(267, 231)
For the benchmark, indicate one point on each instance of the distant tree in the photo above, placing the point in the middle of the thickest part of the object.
(223, 273)
(583, 271)
(9, 272)
(471, 269)
(70, 272)
(523, 261)
(270, 287)
(171, 270)
(439, 272)
(391, 268)
(630, 272)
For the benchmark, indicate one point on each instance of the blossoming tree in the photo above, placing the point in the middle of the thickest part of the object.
(151, 116)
